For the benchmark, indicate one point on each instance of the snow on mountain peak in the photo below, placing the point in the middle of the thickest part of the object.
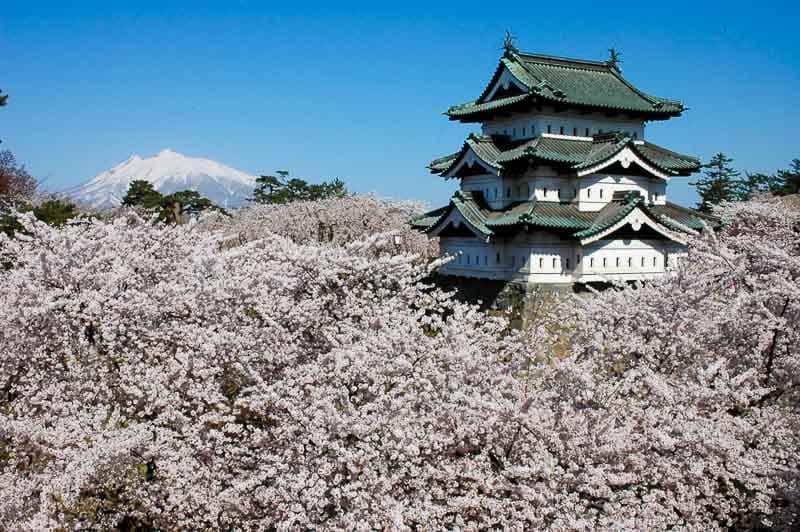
(168, 171)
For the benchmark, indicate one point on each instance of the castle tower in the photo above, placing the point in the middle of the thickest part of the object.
(561, 186)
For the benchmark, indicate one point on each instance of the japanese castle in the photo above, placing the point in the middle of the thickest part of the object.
(561, 186)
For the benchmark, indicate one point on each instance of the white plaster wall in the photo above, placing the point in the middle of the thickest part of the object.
(627, 259)
(591, 193)
(529, 125)
(597, 190)
(544, 258)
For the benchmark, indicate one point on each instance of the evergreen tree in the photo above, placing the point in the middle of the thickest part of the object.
(142, 194)
(280, 189)
(268, 188)
(720, 182)
(55, 212)
(183, 203)
(790, 178)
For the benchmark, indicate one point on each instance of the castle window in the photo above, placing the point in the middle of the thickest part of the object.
(508, 192)
(486, 260)
(459, 258)
(630, 262)
(588, 192)
(498, 258)
(642, 262)
(554, 263)
(514, 132)
(559, 193)
(605, 262)
(513, 260)
(587, 132)
(591, 262)
(574, 131)
(578, 258)
(523, 131)
(467, 258)
(541, 263)
(544, 192)
(574, 192)
(566, 263)
(601, 193)
(495, 192)
(529, 190)
(561, 130)
(655, 261)
(549, 128)
(617, 262)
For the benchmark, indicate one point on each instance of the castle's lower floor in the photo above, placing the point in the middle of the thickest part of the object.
(540, 258)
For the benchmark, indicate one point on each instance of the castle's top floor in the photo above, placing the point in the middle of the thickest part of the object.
(530, 84)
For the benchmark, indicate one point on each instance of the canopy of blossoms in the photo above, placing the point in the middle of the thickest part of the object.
(248, 373)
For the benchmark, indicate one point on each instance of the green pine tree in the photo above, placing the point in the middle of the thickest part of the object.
(719, 183)
(269, 188)
(142, 194)
(55, 212)
(281, 189)
(790, 179)
(176, 206)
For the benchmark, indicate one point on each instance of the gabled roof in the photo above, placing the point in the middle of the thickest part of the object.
(571, 82)
(561, 217)
(581, 155)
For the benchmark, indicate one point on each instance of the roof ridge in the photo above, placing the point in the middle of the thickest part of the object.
(666, 150)
(547, 57)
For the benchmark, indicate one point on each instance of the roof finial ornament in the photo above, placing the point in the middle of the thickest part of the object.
(614, 60)
(508, 42)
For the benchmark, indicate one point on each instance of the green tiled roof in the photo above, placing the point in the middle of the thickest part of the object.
(559, 216)
(575, 82)
(577, 153)
(684, 216)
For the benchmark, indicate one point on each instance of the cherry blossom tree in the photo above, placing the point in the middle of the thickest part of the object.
(152, 376)
(334, 221)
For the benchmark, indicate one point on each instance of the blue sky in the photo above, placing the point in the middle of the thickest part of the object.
(356, 90)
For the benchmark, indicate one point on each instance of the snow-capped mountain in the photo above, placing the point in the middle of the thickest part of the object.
(169, 172)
